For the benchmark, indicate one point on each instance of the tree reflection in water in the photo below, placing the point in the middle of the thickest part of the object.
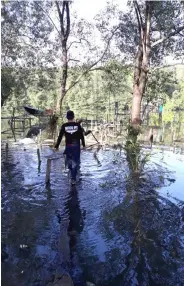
(153, 225)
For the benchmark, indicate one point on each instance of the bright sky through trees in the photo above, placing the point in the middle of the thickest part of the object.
(89, 8)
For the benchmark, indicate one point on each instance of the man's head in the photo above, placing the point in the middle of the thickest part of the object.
(70, 115)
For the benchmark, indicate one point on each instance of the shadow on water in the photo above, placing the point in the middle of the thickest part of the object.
(111, 229)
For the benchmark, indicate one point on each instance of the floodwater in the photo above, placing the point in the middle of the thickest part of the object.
(111, 229)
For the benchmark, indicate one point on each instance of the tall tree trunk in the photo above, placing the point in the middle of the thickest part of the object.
(64, 18)
(137, 97)
(141, 63)
(136, 105)
(132, 147)
(63, 80)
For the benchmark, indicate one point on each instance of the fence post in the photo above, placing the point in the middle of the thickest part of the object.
(29, 122)
(39, 160)
(23, 125)
(12, 128)
(47, 178)
(40, 136)
(6, 149)
(38, 153)
(6, 146)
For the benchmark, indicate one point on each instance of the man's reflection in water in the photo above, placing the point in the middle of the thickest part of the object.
(76, 219)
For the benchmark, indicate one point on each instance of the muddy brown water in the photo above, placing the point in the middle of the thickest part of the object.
(109, 229)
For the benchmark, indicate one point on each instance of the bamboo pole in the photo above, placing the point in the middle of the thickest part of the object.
(174, 147)
(6, 146)
(48, 169)
(163, 131)
(29, 122)
(13, 124)
(6, 150)
(23, 126)
(38, 154)
(40, 136)
(14, 118)
(91, 125)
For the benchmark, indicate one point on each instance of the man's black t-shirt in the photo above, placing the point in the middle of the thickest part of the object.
(73, 134)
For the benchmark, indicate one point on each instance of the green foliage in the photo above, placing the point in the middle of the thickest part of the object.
(34, 87)
(29, 49)
(171, 109)
(26, 33)
(95, 96)
(7, 84)
(160, 86)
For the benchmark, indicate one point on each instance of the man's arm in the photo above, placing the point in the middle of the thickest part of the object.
(61, 133)
(82, 135)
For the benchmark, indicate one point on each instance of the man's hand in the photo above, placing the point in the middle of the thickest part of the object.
(87, 132)
(55, 149)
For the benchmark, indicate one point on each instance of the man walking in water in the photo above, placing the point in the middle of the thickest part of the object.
(73, 134)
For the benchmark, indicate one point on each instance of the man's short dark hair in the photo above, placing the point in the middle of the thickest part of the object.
(70, 114)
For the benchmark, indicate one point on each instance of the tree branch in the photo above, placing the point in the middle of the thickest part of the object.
(74, 42)
(49, 18)
(140, 24)
(105, 68)
(138, 18)
(60, 18)
(77, 42)
(95, 63)
(148, 25)
(67, 20)
(167, 66)
(73, 60)
(177, 31)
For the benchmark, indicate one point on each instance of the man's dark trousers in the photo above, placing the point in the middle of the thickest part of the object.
(72, 153)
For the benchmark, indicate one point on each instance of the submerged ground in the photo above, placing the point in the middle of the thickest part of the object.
(109, 229)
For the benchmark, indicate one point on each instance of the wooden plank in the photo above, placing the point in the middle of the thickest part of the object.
(12, 125)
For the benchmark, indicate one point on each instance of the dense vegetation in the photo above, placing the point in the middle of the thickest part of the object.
(40, 68)
(95, 96)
